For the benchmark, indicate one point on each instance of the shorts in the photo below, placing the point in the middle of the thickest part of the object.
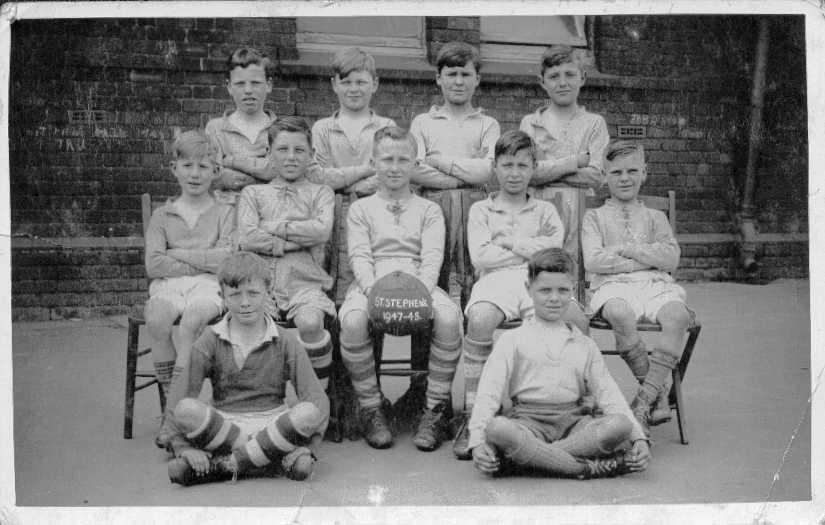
(305, 297)
(645, 298)
(187, 290)
(550, 422)
(252, 422)
(507, 290)
(357, 301)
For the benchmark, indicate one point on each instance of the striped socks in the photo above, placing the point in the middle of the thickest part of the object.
(442, 366)
(292, 429)
(475, 355)
(320, 355)
(360, 363)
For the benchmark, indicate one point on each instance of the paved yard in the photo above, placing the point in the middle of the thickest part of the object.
(746, 394)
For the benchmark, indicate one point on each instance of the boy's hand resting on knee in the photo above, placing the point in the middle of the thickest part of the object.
(638, 457)
(197, 459)
(484, 459)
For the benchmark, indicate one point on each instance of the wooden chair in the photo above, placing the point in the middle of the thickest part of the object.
(675, 399)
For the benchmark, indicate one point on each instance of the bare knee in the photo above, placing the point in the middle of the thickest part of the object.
(160, 316)
(673, 316)
(306, 418)
(575, 315)
(619, 314)
(447, 323)
(354, 327)
(501, 432)
(195, 317)
(310, 324)
(482, 320)
(190, 413)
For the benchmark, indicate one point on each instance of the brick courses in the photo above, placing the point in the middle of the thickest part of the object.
(95, 103)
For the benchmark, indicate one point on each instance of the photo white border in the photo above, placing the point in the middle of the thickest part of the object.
(756, 513)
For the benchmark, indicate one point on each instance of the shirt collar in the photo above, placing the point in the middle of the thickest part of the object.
(437, 111)
(535, 117)
(171, 209)
(221, 329)
(226, 124)
(494, 205)
(572, 331)
(337, 127)
(613, 202)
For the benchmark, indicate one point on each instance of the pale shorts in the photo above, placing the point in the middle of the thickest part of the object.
(305, 297)
(507, 290)
(645, 298)
(357, 301)
(252, 422)
(187, 290)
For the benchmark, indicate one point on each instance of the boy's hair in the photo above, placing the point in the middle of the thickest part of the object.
(553, 260)
(514, 141)
(623, 148)
(557, 55)
(394, 133)
(291, 124)
(244, 56)
(457, 54)
(193, 144)
(352, 59)
(243, 267)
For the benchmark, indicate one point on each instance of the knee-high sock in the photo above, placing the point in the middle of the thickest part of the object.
(475, 355)
(163, 373)
(360, 362)
(636, 358)
(523, 448)
(442, 365)
(291, 430)
(598, 437)
(216, 434)
(320, 355)
(661, 364)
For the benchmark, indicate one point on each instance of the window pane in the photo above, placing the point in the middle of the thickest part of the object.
(392, 26)
(379, 35)
(538, 30)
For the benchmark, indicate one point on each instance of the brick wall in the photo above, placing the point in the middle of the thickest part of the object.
(94, 105)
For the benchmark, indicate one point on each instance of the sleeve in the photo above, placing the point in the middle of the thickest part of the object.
(425, 175)
(336, 178)
(663, 253)
(477, 170)
(320, 141)
(359, 246)
(597, 140)
(483, 253)
(209, 259)
(550, 234)
(596, 258)
(316, 230)
(609, 398)
(199, 368)
(493, 387)
(303, 378)
(251, 235)
(257, 167)
(432, 245)
(158, 263)
(548, 170)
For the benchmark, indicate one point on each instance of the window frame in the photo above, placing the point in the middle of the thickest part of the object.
(380, 45)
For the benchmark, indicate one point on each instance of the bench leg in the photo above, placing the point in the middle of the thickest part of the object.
(131, 370)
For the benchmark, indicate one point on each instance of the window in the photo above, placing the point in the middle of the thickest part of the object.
(524, 38)
(379, 35)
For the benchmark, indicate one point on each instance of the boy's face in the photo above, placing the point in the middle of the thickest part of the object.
(625, 176)
(248, 87)
(246, 302)
(551, 293)
(290, 155)
(194, 174)
(355, 90)
(393, 161)
(562, 83)
(458, 83)
(514, 171)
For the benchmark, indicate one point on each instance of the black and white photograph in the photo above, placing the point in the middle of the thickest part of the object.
(447, 262)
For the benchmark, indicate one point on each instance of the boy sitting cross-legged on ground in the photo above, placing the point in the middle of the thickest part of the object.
(629, 250)
(343, 143)
(248, 360)
(503, 231)
(186, 240)
(569, 417)
(289, 221)
(240, 134)
(391, 230)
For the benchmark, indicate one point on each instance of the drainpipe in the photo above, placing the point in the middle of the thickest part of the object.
(747, 224)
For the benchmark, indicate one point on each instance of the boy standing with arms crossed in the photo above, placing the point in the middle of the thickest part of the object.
(240, 134)
(289, 222)
(455, 149)
(343, 143)
(391, 230)
(248, 360)
(186, 240)
(503, 231)
(557, 380)
(570, 140)
(630, 251)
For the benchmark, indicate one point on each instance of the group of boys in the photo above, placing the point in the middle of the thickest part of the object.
(247, 237)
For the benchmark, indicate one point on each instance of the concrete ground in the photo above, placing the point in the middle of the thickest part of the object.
(746, 394)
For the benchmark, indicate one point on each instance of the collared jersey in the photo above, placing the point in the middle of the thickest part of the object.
(535, 226)
(230, 140)
(542, 364)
